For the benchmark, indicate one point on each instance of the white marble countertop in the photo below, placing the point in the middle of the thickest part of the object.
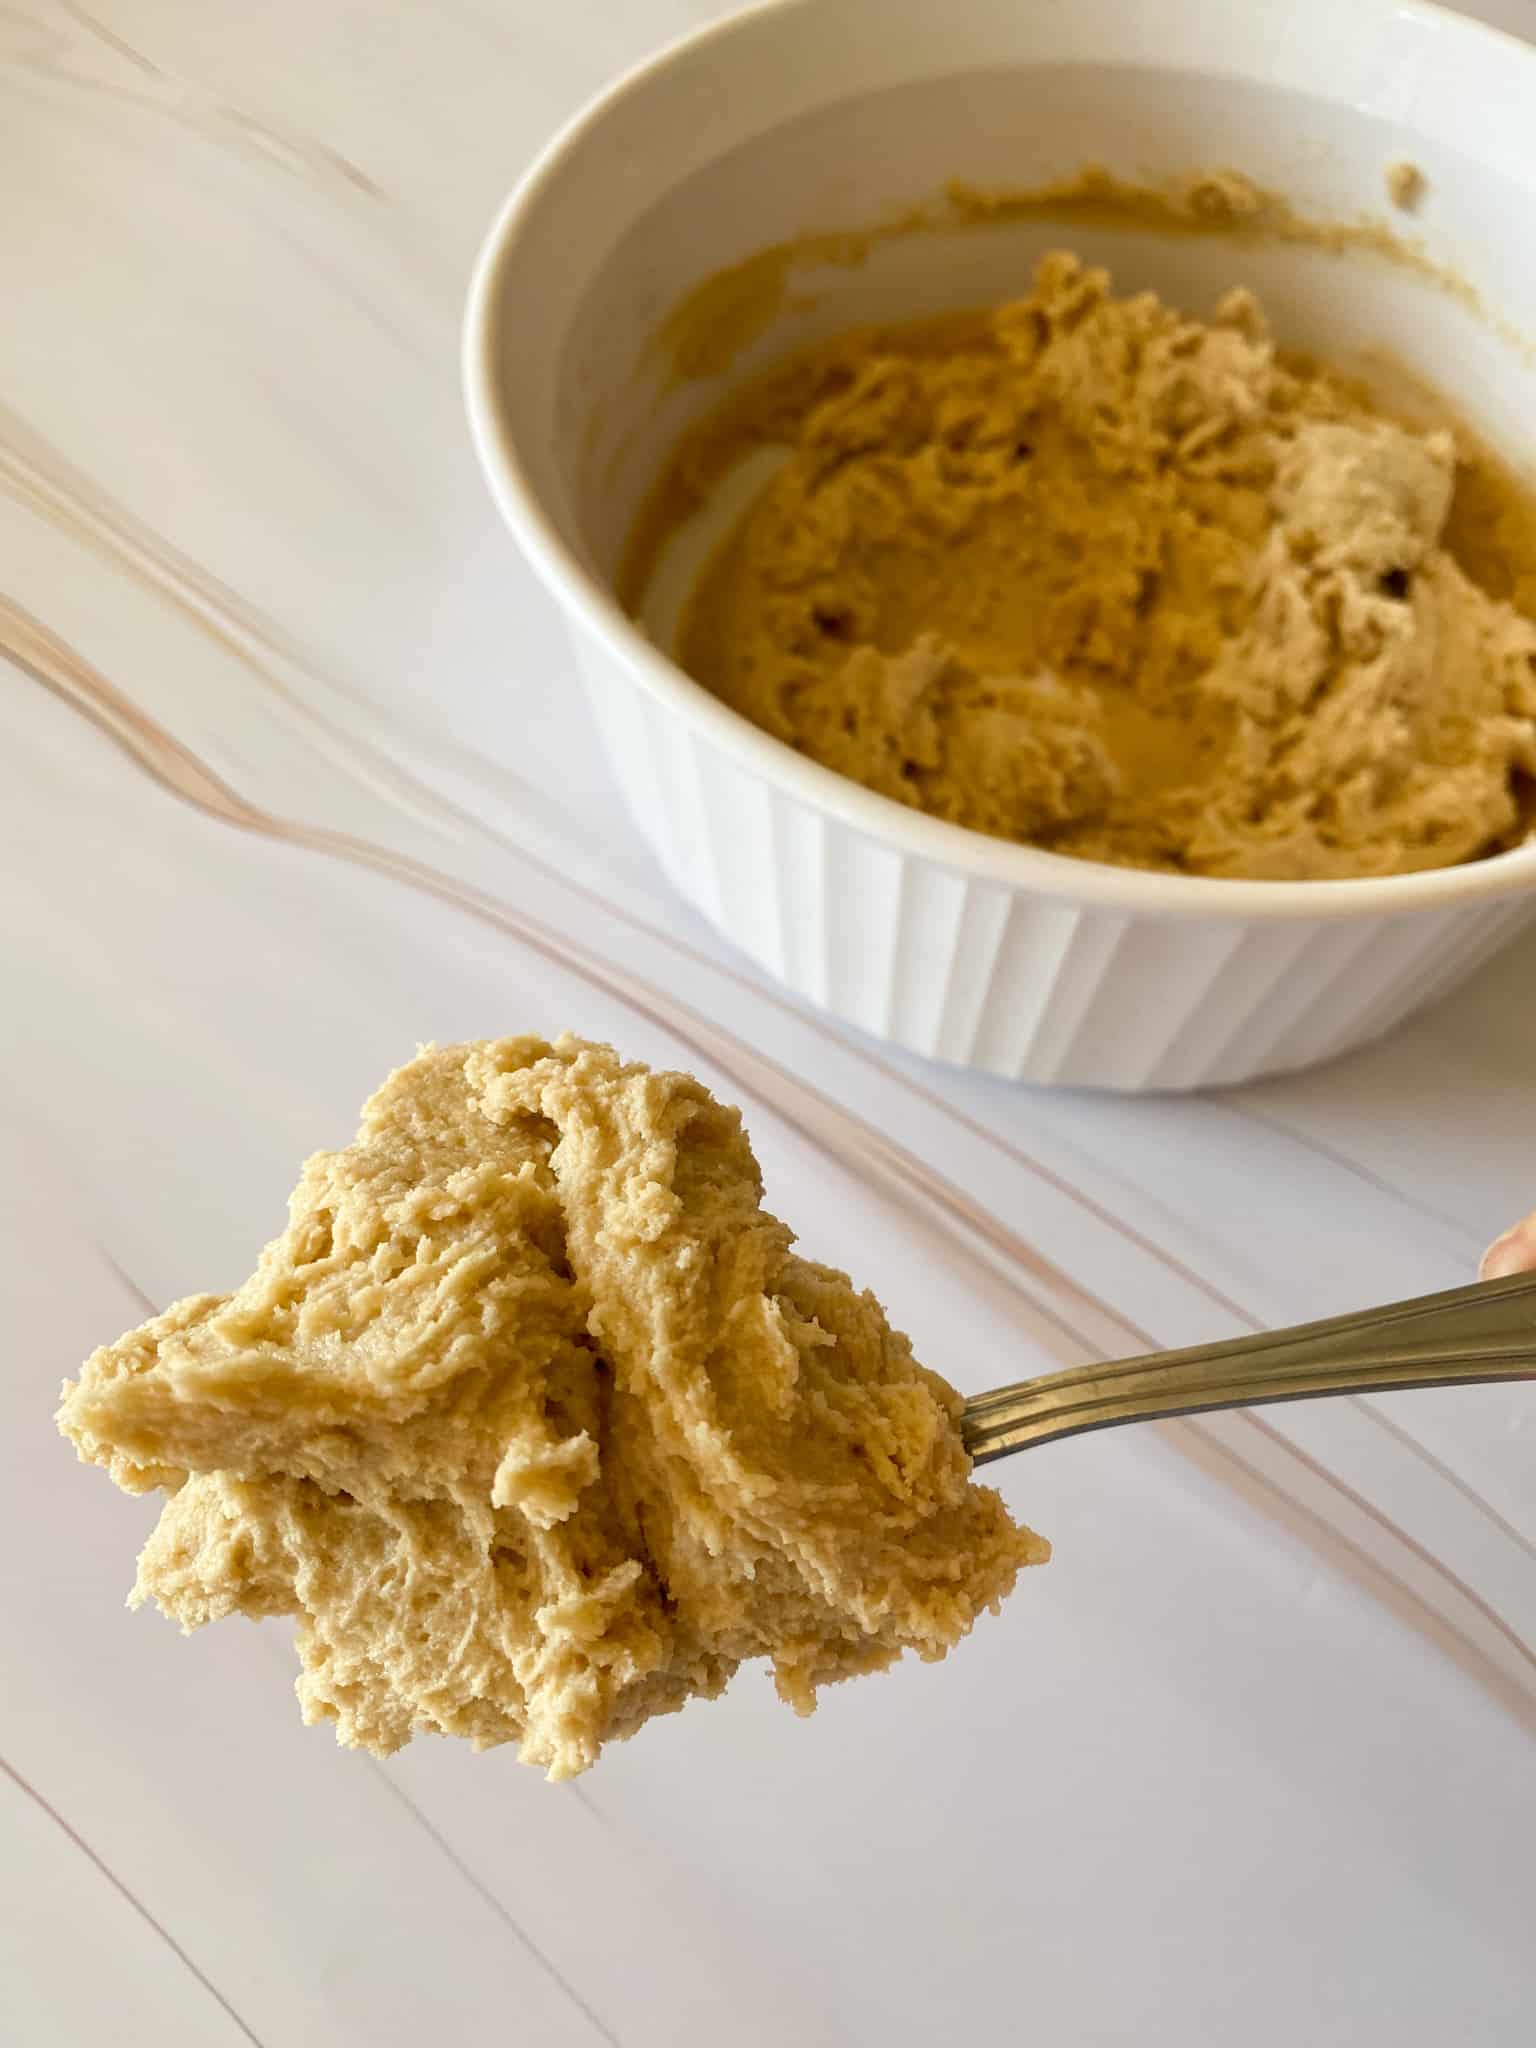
(296, 775)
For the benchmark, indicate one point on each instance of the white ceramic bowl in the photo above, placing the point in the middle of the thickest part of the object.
(816, 114)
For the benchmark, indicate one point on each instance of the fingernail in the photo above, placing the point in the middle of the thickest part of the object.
(1514, 1252)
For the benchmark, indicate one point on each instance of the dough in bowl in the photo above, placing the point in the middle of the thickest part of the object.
(1086, 573)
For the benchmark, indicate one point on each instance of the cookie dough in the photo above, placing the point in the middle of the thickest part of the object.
(1085, 573)
(1405, 185)
(537, 1425)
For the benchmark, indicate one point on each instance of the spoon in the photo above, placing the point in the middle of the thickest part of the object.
(1465, 1337)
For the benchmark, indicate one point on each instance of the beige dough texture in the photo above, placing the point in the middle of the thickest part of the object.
(1084, 573)
(538, 1427)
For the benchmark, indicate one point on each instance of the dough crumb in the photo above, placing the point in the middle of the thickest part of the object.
(1406, 185)
(538, 1427)
(1222, 195)
(1091, 574)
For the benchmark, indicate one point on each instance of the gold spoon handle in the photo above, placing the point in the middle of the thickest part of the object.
(1465, 1336)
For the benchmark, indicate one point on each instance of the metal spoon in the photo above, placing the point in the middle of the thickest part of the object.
(1467, 1336)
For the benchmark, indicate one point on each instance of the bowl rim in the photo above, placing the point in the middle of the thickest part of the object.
(958, 849)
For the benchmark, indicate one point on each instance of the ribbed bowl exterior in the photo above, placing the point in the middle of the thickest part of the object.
(1009, 980)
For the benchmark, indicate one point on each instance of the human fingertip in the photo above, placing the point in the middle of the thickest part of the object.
(1514, 1252)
